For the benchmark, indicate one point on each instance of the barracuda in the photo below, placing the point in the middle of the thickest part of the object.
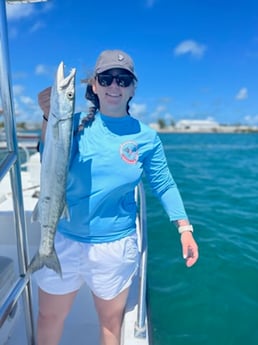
(55, 162)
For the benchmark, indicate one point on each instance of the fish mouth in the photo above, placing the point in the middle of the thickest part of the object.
(62, 82)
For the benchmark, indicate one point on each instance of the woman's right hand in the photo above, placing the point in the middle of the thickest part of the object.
(44, 100)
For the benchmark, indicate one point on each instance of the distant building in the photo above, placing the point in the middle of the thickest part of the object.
(154, 125)
(197, 125)
(203, 126)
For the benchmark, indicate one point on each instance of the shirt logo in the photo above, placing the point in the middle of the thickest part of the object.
(129, 152)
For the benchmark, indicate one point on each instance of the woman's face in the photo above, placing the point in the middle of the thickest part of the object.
(114, 93)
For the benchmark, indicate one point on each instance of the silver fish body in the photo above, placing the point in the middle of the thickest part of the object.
(51, 205)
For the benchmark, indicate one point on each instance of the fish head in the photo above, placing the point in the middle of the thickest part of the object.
(63, 94)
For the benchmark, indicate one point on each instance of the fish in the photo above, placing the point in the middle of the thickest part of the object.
(52, 205)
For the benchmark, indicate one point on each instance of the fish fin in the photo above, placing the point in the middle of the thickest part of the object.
(51, 261)
(35, 213)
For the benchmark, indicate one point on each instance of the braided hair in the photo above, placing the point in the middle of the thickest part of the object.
(93, 98)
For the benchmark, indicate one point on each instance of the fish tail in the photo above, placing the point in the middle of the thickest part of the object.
(51, 261)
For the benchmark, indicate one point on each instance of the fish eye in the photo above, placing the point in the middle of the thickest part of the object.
(70, 95)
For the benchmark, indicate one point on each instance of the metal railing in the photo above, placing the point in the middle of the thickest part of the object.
(10, 164)
(140, 330)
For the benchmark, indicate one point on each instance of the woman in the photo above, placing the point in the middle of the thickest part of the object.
(111, 151)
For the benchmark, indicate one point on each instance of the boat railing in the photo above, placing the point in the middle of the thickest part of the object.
(140, 330)
(10, 164)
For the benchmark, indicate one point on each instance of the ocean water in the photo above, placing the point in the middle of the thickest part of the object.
(216, 301)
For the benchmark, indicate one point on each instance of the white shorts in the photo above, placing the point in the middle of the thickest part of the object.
(107, 268)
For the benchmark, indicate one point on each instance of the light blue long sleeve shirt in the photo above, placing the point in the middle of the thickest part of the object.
(108, 160)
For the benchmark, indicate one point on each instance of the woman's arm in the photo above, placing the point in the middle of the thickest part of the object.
(164, 186)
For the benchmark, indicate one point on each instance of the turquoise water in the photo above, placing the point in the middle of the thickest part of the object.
(216, 301)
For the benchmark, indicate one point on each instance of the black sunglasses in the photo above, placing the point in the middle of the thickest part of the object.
(123, 80)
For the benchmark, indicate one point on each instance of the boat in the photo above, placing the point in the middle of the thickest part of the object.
(19, 190)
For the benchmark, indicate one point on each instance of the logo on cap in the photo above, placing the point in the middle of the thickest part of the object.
(120, 57)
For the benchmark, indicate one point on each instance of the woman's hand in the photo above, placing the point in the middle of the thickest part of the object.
(44, 101)
(189, 248)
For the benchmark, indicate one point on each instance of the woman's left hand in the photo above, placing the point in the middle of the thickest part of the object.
(190, 248)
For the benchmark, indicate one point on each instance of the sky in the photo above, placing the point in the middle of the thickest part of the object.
(195, 59)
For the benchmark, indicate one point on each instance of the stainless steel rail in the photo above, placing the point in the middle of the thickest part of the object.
(11, 164)
(11, 299)
(7, 163)
(140, 324)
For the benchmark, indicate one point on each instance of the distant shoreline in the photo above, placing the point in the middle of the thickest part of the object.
(218, 130)
(21, 128)
(206, 132)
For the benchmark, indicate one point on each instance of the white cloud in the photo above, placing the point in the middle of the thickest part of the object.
(18, 89)
(138, 110)
(17, 11)
(160, 108)
(242, 94)
(27, 109)
(168, 117)
(190, 47)
(160, 112)
(27, 100)
(41, 69)
(251, 120)
(37, 26)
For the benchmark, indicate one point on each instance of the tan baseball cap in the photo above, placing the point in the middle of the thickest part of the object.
(109, 59)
